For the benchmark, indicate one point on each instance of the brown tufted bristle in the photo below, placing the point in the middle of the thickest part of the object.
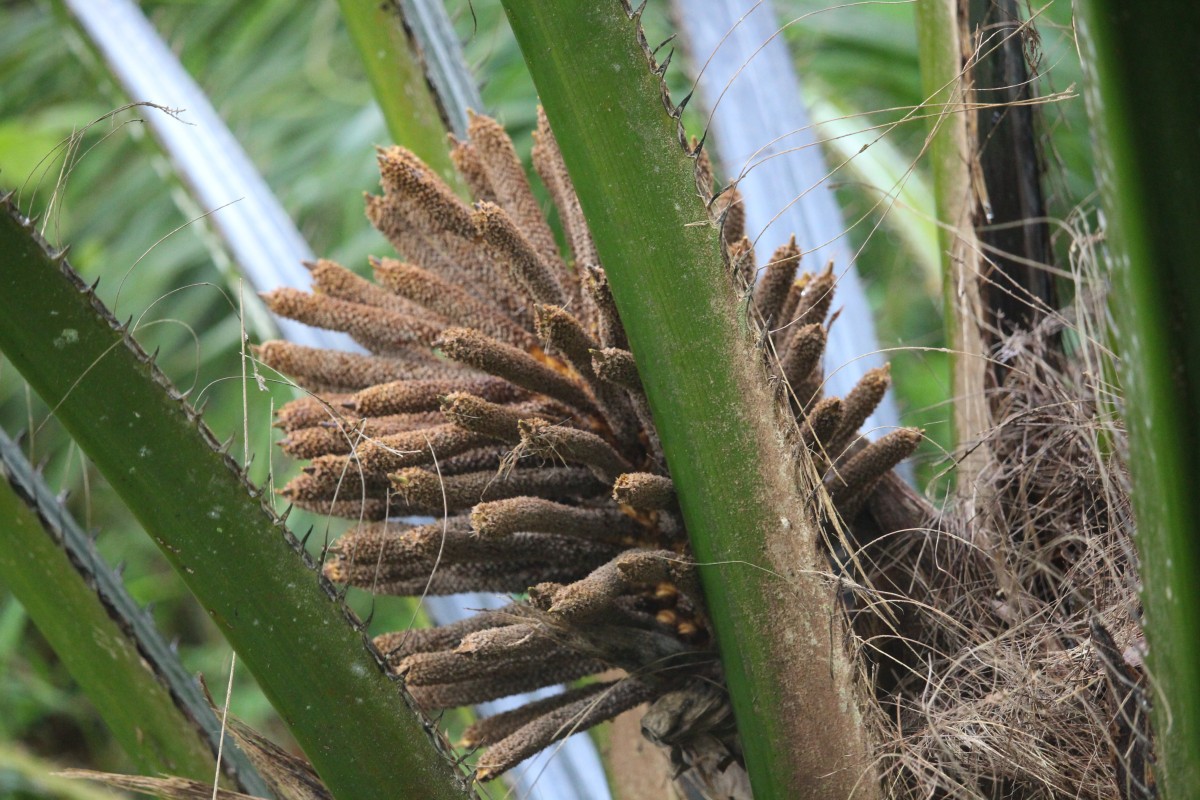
(320, 441)
(801, 359)
(592, 596)
(310, 410)
(325, 483)
(409, 396)
(498, 642)
(461, 545)
(617, 366)
(434, 206)
(742, 264)
(501, 518)
(466, 160)
(644, 491)
(852, 481)
(859, 404)
(448, 301)
(348, 506)
(511, 249)
(585, 599)
(375, 458)
(511, 577)
(423, 491)
(507, 177)
(382, 331)
(321, 370)
(338, 435)
(484, 459)
(490, 730)
(548, 161)
(608, 322)
(771, 291)
(730, 213)
(384, 552)
(387, 550)
(539, 674)
(333, 279)
(423, 202)
(564, 334)
(505, 361)
(660, 566)
(399, 570)
(820, 423)
(387, 215)
(398, 644)
(452, 666)
(815, 300)
(499, 422)
(581, 713)
(557, 442)
(783, 327)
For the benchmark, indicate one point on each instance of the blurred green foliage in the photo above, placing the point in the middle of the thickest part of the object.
(289, 84)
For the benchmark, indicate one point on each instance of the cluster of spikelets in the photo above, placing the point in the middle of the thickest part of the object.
(501, 398)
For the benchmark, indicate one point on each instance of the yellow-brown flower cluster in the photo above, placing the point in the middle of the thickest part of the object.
(500, 397)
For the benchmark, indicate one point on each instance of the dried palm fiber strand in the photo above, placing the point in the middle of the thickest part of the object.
(1013, 664)
(521, 362)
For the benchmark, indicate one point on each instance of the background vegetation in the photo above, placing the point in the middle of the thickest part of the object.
(290, 87)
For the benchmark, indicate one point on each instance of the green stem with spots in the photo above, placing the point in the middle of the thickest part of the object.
(1142, 79)
(764, 575)
(303, 646)
(52, 568)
